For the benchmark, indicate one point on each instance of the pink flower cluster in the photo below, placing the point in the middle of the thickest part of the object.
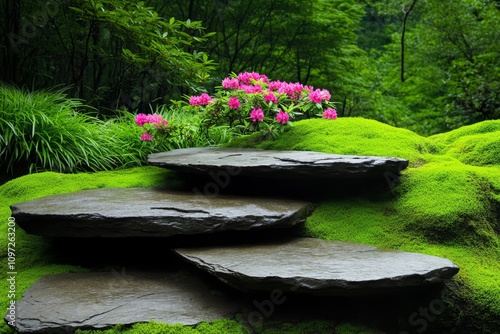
(201, 100)
(282, 117)
(154, 119)
(233, 102)
(257, 115)
(246, 78)
(330, 113)
(293, 90)
(319, 95)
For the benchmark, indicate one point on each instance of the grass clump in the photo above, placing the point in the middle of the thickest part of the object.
(46, 130)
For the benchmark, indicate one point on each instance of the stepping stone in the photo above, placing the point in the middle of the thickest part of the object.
(315, 266)
(221, 163)
(66, 302)
(152, 212)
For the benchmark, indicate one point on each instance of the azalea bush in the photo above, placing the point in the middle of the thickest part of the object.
(246, 103)
(250, 102)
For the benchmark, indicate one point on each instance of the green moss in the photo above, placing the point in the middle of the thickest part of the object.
(448, 203)
(223, 326)
(357, 136)
(477, 144)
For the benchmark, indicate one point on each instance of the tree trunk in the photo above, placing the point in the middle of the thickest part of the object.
(11, 41)
(406, 13)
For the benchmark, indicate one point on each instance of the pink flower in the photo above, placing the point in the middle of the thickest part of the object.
(318, 95)
(230, 83)
(257, 115)
(282, 117)
(141, 119)
(247, 77)
(146, 136)
(270, 97)
(201, 100)
(156, 120)
(233, 102)
(251, 89)
(315, 96)
(330, 113)
(275, 85)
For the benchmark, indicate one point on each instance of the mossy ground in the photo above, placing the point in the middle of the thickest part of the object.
(447, 204)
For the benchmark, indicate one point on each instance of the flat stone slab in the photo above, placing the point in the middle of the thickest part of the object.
(222, 163)
(152, 212)
(66, 302)
(315, 266)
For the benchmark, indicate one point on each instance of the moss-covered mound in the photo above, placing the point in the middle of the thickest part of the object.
(477, 144)
(357, 136)
(447, 204)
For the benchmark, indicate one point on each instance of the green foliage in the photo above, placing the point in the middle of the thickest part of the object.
(46, 130)
(112, 53)
(451, 66)
(314, 44)
(184, 129)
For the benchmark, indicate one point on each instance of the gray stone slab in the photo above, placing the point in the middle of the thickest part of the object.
(151, 212)
(315, 266)
(66, 302)
(223, 162)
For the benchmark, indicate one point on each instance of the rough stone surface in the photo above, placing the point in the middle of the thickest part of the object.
(143, 212)
(66, 302)
(223, 162)
(318, 266)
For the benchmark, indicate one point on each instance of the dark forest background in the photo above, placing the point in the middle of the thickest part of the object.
(427, 65)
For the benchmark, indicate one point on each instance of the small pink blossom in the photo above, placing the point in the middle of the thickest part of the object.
(157, 120)
(141, 119)
(154, 119)
(330, 113)
(233, 102)
(249, 89)
(257, 115)
(230, 83)
(146, 136)
(318, 95)
(270, 97)
(248, 77)
(201, 100)
(282, 117)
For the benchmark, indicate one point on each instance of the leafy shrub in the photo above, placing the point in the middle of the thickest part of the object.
(250, 102)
